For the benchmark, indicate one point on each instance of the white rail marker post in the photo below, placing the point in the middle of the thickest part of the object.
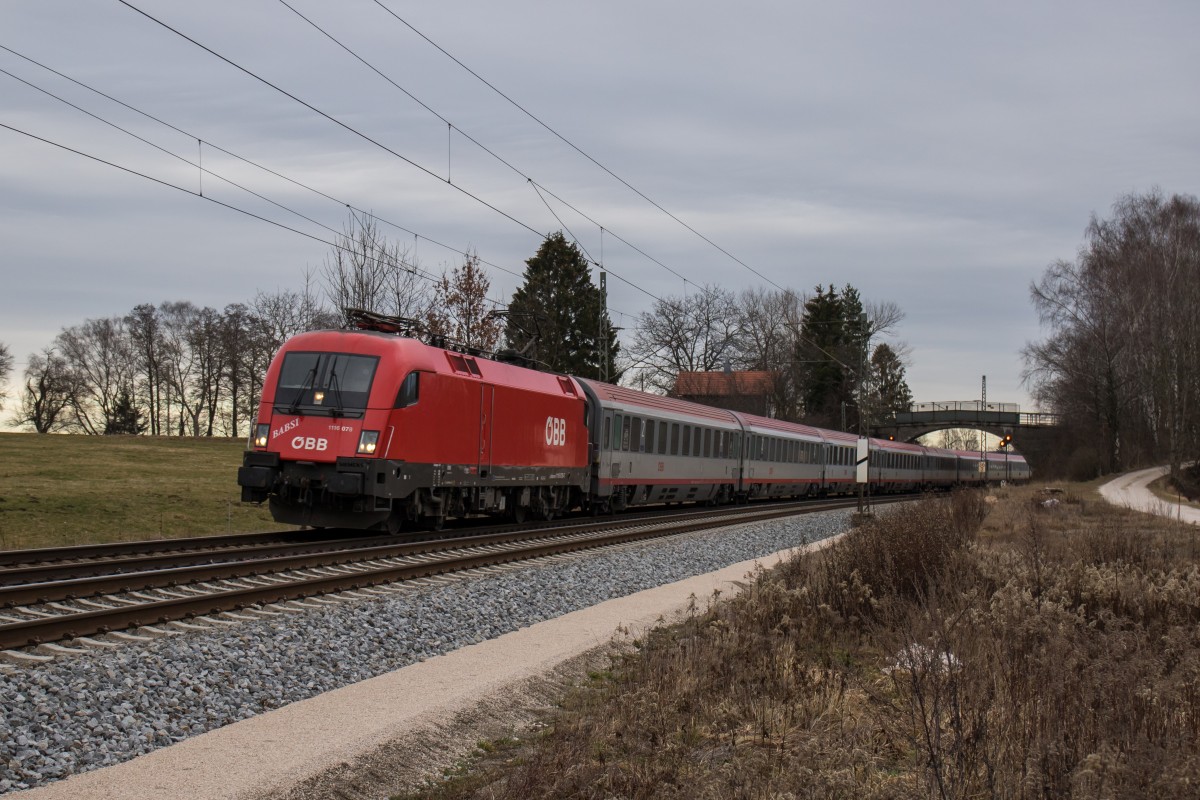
(863, 473)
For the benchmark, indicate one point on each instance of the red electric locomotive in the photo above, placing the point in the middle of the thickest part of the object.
(370, 429)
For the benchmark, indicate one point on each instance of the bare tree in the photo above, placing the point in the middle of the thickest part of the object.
(239, 331)
(146, 343)
(460, 307)
(206, 342)
(100, 365)
(367, 271)
(6, 365)
(696, 333)
(287, 312)
(178, 321)
(768, 322)
(1123, 355)
(883, 317)
(47, 396)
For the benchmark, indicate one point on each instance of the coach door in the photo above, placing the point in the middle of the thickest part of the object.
(487, 406)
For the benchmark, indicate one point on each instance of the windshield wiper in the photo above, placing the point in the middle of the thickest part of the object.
(337, 393)
(312, 375)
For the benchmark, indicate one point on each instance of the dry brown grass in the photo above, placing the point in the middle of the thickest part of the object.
(1052, 652)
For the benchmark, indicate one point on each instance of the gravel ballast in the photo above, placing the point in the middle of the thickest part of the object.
(83, 712)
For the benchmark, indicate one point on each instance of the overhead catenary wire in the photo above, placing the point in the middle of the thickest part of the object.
(450, 127)
(573, 146)
(168, 184)
(414, 269)
(588, 255)
(249, 161)
(332, 118)
(333, 244)
(197, 164)
(338, 122)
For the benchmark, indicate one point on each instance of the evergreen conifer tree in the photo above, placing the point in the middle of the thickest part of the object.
(560, 306)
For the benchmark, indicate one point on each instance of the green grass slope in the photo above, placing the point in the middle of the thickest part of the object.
(62, 490)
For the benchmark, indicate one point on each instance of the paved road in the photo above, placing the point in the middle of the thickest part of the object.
(1131, 490)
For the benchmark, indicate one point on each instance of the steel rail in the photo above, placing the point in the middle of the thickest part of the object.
(58, 563)
(59, 571)
(272, 561)
(19, 634)
(75, 553)
(50, 582)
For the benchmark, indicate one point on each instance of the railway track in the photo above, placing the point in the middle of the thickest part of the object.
(112, 590)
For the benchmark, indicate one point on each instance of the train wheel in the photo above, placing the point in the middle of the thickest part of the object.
(519, 514)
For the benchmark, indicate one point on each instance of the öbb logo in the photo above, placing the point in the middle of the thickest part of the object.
(556, 431)
(310, 443)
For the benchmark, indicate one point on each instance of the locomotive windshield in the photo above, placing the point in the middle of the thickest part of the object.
(337, 384)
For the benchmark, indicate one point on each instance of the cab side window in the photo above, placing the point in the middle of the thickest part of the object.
(410, 390)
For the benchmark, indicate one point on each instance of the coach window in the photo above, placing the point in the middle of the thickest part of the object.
(648, 436)
(409, 390)
(616, 433)
(625, 423)
(708, 443)
(606, 439)
(687, 440)
(696, 441)
(662, 438)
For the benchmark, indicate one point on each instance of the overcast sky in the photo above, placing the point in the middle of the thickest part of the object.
(938, 155)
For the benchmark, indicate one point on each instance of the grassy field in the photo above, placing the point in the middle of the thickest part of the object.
(60, 490)
(1047, 651)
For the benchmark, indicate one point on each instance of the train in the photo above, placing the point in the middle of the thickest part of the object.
(371, 428)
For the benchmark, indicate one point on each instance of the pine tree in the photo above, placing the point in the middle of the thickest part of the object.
(891, 392)
(126, 417)
(829, 356)
(560, 307)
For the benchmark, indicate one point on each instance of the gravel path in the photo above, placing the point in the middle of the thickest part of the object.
(101, 708)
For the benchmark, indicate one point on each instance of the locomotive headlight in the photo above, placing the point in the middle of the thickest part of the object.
(261, 432)
(367, 443)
